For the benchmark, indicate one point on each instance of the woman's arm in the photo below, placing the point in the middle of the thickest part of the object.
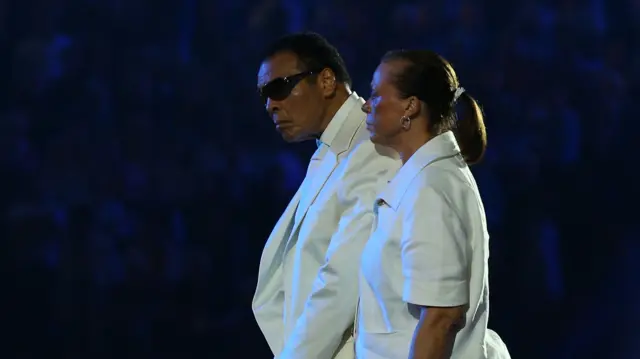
(435, 265)
(436, 332)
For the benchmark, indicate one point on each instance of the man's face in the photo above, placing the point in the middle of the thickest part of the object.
(293, 103)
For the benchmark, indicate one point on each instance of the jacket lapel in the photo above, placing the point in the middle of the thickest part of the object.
(329, 163)
(316, 182)
(310, 193)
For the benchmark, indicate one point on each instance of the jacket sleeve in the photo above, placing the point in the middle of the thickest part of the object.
(330, 309)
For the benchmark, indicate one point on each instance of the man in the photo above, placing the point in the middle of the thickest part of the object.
(307, 290)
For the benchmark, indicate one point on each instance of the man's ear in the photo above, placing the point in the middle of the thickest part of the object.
(327, 82)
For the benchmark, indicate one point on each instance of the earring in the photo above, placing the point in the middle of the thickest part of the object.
(405, 122)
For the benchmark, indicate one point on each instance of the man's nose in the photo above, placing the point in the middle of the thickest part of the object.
(271, 106)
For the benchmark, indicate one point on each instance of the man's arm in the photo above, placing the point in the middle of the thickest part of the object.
(434, 253)
(330, 309)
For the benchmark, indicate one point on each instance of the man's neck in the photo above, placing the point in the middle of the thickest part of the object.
(334, 106)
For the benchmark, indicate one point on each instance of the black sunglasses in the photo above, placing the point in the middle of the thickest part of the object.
(280, 88)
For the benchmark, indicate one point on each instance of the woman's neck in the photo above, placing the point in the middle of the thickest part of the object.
(410, 144)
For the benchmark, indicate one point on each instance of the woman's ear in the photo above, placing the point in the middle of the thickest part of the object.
(413, 108)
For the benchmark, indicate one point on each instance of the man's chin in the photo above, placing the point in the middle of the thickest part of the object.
(288, 138)
(291, 137)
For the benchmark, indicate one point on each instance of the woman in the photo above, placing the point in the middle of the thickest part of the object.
(424, 278)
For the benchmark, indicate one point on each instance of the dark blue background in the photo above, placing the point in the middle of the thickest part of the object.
(141, 177)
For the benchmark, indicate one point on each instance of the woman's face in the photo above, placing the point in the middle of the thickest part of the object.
(384, 107)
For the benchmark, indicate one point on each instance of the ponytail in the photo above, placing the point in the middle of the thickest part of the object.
(469, 130)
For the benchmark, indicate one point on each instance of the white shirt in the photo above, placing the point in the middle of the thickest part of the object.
(429, 247)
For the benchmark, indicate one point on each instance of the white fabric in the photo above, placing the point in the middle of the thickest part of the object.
(307, 283)
(430, 247)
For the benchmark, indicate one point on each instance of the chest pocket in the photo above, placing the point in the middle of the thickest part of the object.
(376, 212)
(385, 220)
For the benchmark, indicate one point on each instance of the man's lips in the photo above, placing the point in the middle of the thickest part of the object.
(282, 124)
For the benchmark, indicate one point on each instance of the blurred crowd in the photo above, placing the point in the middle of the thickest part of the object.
(141, 176)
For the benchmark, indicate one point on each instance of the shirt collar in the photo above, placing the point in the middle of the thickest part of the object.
(338, 120)
(439, 147)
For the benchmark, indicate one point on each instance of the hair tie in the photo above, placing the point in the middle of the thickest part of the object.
(456, 95)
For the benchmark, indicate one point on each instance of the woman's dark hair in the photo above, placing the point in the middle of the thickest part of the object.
(429, 77)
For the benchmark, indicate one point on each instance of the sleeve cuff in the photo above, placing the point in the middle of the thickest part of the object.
(435, 294)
